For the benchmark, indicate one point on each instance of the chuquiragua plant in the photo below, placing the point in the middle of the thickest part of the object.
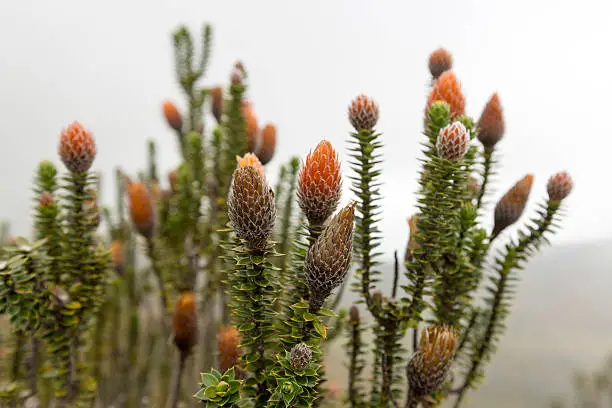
(241, 280)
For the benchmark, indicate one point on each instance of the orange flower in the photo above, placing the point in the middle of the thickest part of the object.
(217, 103)
(77, 148)
(251, 159)
(363, 113)
(173, 117)
(320, 184)
(116, 250)
(268, 143)
(228, 340)
(184, 322)
(252, 130)
(511, 206)
(448, 89)
(141, 209)
(491, 123)
(440, 61)
(559, 186)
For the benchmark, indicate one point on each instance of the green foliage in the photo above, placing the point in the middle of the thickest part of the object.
(294, 388)
(219, 390)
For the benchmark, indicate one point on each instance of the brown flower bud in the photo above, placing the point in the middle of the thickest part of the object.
(429, 366)
(453, 141)
(252, 129)
(142, 210)
(172, 115)
(511, 206)
(440, 61)
(491, 123)
(251, 207)
(448, 89)
(559, 186)
(329, 257)
(46, 199)
(184, 322)
(77, 148)
(266, 149)
(320, 184)
(251, 159)
(228, 340)
(173, 180)
(354, 315)
(363, 113)
(217, 103)
(300, 356)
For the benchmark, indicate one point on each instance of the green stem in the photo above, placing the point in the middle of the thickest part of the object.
(486, 174)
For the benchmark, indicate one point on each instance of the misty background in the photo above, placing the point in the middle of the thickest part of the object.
(110, 65)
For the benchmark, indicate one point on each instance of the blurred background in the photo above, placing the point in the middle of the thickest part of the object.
(109, 65)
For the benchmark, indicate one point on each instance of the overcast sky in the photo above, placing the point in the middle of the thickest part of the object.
(109, 65)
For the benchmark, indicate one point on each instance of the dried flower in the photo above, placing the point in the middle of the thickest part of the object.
(559, 186)
(251, 159)
(300, 355)
(77, 148)
(510, 207)
(251, 207)
(265, 152)
(329, 257)
(453, 141)
(429, 366)
(46, 199)
(117, 256)
(172, 115)
(448, 89)
(229, 352)
(141, 209)
(320, 184)
(440, 61)
(491, 123)
(217, 103)
(363, 113)
(184, 322)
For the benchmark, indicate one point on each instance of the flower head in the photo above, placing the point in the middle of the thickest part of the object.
(172, 115)
(77, 148)
(491, 123)
(559, 186)
(265, 152)
(320, 184)
(300, 356)
(216, 94)
(142, 210)
(250, 159)
(511, 206)
(184, 322)
(453, 141)
(251, 207)
(448, 89)
(440, 61)
(117, 257)
(252, 129)
(354, 315)
(228, 341)
(363, 113)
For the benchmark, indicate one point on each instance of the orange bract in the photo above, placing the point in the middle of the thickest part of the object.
(252, 130)
(448, 89)
(268, 143)
(116, 251)
(229, 352)
(251, 159)
(184, 322)
(320, 183)
(141, 209)
(491, 123)
(511, 206)
(173, 117)
(77, 148)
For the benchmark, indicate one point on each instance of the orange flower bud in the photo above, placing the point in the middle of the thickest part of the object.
(217, 103)
(117, 256)
(173, 117)
(77, 148)
(251, 159)
(491, 123)
(440, 61)
(559, 186)
(320, 184)
(511, 206)
(265, 152)
(46, 199)
(141, 209)
(173, 180)
(363, 113)
(252, 130)
(453, 141)
(448, 89)
(184, 322)
(229, 353)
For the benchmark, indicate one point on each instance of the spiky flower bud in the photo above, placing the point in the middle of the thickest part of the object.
(453, 141)
(117, 258)
(448, 89)
(329, 257)
(266, 149)
(228, 341)
(429, 366)
(237, 75)
(559, 186)
(185, 322)
(142, 210)
(510, 207)
(77, 148)
(440, 61)
(252, 129)
(46, 199)
(251, 207)
(412, 242)
(300, 356)
(216, 94)
(491, 123)
(363, 113)
(354, 315)
(172, 115)
(320, 184)
(251, 159)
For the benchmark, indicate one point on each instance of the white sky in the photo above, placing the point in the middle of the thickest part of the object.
(109, 65)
